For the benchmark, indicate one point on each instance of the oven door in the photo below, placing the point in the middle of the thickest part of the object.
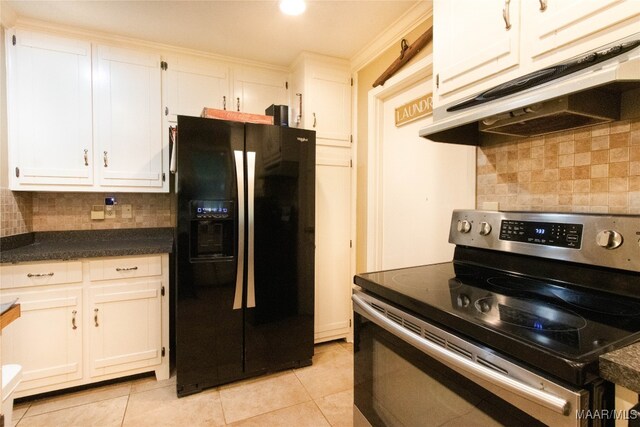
(409, 372)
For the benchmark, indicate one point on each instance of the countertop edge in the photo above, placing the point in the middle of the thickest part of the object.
(50, 246)
(622, 367)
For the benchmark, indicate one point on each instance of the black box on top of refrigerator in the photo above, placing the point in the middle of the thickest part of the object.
(244, 264)
(280, 114)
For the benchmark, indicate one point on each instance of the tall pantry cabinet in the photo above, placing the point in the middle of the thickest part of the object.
(321, 101)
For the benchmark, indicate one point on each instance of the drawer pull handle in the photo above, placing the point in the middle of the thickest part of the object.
(40, 274)
(543, 5)
(314, 120)
(127, 269)
(105, 159)
(73, 320)
(95, 317)
(86, 157)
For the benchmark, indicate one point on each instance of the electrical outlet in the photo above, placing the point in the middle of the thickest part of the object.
(126, 211)
(109, 212)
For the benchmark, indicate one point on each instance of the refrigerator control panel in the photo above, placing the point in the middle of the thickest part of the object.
(211, 209)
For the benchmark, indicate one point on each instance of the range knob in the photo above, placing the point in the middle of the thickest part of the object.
(609, 239)
(464, 226)
(484, 306)
(485, 228)
(463, 300)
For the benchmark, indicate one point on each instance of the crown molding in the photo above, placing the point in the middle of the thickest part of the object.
(407, 22)
(109, 38)
(8, 16)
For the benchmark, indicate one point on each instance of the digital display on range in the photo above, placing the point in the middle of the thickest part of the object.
(542, 233)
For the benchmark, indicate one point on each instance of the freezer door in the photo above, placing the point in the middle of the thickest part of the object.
(209, 332)
(280, 270)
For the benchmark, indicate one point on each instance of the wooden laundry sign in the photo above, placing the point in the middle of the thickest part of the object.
(415, 109)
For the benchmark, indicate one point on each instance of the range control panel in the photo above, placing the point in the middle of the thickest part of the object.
(597, 239)
(542, 233)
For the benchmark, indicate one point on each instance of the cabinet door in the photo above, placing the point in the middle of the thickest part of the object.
(255, 89)
(472, 43)
(47, 337)
(124, 328)
(567, 22)
(49, 111)
(333, 253)
(128, 120)
(195, 83)
(329, 105)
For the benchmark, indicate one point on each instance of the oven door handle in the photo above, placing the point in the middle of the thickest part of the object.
(454, 360)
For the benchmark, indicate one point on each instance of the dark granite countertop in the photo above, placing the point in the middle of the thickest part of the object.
(622, 367)
(56, 245)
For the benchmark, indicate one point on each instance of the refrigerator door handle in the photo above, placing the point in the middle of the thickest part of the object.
(251, 174)
(239, 157)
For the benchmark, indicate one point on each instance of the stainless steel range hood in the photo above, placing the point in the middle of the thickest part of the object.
(594, 88)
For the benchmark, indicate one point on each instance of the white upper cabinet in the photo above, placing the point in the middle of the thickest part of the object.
(565, 28)
(329, 112)
(255, 89)
(474, 51)
(323, 85)
(195, 83)
(83, 117)
(474, 40)
(49, 111)
(128, 119)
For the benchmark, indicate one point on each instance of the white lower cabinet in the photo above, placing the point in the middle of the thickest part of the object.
(100, 325)
(124, 332)
(46, 340)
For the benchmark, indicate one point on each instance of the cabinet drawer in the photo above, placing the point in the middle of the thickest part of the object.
(40, 273)
(125, 267)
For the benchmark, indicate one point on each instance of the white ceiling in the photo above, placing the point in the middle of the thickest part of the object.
(254, 30)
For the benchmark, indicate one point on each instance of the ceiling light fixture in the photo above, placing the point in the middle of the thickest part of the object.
(292, 7)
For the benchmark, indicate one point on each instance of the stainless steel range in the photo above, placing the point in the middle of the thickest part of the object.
(509, 332)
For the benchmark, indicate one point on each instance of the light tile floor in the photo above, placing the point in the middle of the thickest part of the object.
(317, 395)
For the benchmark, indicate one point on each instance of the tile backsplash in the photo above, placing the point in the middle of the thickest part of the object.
(594, 169)
(23, 212)
(16, 213)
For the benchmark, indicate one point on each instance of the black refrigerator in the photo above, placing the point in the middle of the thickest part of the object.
(244, 262)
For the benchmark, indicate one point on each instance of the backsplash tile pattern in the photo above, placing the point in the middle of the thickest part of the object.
(16, 213)
(72, 211)
(593, 169)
